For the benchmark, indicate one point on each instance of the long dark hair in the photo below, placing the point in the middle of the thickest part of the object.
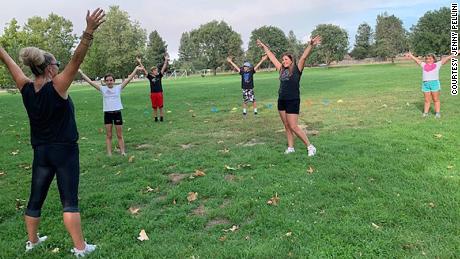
(291, 67)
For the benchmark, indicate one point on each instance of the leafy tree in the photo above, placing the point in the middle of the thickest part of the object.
(431, 34)
(274, 37)
(210, 45)
(294, 45)
(390, 36)
(156, 49)
(362, 48)
(116, 45)
(333, 47)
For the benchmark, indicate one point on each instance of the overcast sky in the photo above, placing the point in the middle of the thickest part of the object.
(171, 18)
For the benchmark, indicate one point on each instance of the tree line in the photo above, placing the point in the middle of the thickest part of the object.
(120, 40)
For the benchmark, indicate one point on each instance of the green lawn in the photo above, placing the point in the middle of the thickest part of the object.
(385, 181)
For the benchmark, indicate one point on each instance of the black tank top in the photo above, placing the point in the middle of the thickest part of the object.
(52, 118)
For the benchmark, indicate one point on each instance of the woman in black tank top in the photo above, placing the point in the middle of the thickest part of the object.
(53, 132)
(289, 93)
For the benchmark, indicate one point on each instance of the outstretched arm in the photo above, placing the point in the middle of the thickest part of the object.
(165, 65)
(88, 80)
(63, 81)
(409, 55)
(229, 60)
(445, 59)
(139, 61)
(306, 53)
(130, 77)
(270, 54)
(264, 57)
(18, 75)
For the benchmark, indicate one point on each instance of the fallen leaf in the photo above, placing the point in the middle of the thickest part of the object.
(174, 202)
(190, 110)
(199, 173)
(437, 135)
(83, 138)
(310, 170)
(101, 130)
(247, 237)
(274, 200)
(375, 225)
(431, 205)
(149, 189)
(340, 101)
(450, 166)
(222, 238)
(2, 173)
(232, 229)
(288, 234)
(118, 173)
(129, 129)
(131, 159)
(20, 204)
(230, 168)
(220, 142)
(15, 152)
(143, 236)
(55, 250)
(192, 196)
(134, 210)
(168, 112)
(244, 165)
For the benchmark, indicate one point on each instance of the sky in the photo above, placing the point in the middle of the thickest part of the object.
(173, 17)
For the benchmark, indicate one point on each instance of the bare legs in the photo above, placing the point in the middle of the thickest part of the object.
(290, 122)
(108, 138)
(432, 96)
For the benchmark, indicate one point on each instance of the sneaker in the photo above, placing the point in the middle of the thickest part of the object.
(255, 113)
(82, 253)
(161, 118)
(311, 150)
(289, 150)
(425, 114)
(437, 115)
(30, 245)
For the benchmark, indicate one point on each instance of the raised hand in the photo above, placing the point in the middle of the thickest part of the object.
(138, 59)
(315, 40)
(94, 19)
(139, 68)
(264, 57)
(260, 43)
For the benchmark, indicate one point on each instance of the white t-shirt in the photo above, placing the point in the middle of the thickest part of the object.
(431, 71)
(111, 98)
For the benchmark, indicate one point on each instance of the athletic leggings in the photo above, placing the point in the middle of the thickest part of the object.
(61, 160)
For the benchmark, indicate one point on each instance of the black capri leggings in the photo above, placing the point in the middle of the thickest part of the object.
(61, 160)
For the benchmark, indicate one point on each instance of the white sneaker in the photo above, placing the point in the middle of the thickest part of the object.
(82, 253)
(289, 150)
(437, 115)
(425, 114)
(311, 150)
(30, 245)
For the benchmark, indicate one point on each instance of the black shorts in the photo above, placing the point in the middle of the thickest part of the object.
(290, 106)
(113, 118)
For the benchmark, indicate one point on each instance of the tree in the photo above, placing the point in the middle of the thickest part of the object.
(294, 45)
(390, 37)
(116, 45)
(156, 49)
(362, 48)
(274, 37)
(334, 44)
(52, 34)
(210, 45)
(431, 34)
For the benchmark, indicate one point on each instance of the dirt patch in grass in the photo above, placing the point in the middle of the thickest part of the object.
(199, 211)
(187, 146)
(251, 143)
(225, 203)
(177, 178)
(144, 146)
(218, 221)
(230, 178)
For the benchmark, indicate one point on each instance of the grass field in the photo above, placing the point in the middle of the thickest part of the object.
(385, 181)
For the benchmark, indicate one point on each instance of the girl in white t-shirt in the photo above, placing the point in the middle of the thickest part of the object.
(112, 107)
(431, 86)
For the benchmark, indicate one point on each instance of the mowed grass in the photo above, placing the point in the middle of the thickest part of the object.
(385, 181)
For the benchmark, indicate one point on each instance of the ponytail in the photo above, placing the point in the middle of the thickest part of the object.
(36, 59)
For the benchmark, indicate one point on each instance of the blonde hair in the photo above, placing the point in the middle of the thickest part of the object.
(36, 59)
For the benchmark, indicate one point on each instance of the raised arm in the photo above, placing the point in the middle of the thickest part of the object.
(229, 60)
(409, 55)
(139, 61)
(445, 59)
(18, 75)
(165, 64)
(306, 53)
(89, 81)
(264, 57)
(63, 81)
(270, 54)
(130, 77)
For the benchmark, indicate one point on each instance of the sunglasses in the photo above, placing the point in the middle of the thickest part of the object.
(58, 64)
